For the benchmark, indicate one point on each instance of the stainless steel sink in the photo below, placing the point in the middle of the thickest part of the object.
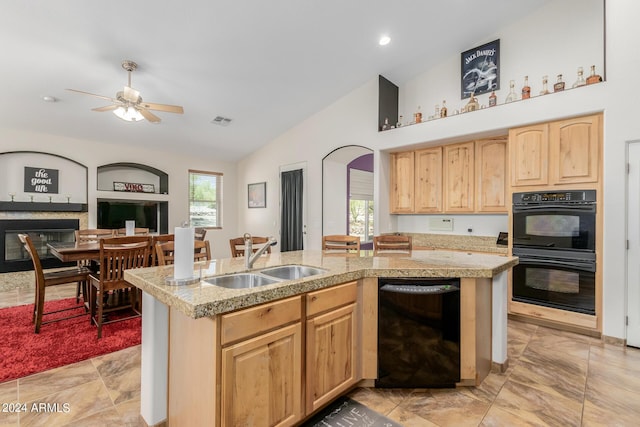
(292, 272)
(241, 280)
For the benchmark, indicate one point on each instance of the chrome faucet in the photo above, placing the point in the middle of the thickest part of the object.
(249, 256)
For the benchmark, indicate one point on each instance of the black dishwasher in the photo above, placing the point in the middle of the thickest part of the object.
(418, 332)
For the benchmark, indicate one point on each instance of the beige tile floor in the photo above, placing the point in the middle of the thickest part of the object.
(555, 379)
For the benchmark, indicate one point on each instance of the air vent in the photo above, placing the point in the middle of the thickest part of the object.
(222, 121)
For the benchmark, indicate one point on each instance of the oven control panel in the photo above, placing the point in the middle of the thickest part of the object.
(584, 196)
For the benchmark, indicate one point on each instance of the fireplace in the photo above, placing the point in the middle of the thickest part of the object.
(13, 256)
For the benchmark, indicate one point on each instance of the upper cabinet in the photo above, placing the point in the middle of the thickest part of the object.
(491, 175)
(402, 182)
(459, 174)
(428, 180)
(556, 153)
(456, 178)
(574, 150)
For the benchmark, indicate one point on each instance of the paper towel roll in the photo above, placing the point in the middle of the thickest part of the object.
(130, 228)
(183, 253)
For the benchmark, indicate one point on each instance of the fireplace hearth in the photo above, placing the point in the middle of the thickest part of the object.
(13, 256)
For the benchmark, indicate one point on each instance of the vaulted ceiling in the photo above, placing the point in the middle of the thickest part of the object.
(267, 65)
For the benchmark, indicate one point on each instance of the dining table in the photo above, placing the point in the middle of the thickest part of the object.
(74, 251)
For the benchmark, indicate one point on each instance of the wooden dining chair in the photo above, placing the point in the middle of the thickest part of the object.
(161, 238)
(341, 242)
(391, 242)
(88, 235)
(138, 231)
(117, 254)
(237, 245)
(200, 233)
(48, 279)
(165, 251)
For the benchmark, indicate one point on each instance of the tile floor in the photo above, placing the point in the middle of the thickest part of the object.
(555, 379)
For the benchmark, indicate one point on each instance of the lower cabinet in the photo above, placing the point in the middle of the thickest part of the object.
(268, 365)
(331, 365)
(262, 380)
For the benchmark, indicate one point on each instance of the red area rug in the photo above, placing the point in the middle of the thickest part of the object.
(23, 352)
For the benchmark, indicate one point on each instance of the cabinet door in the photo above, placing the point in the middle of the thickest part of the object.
(529, 149)
(574, 147)
(402, 180)
(459, 177)
(491, 176)
(428, 185)
(262, 380)
(331, 356)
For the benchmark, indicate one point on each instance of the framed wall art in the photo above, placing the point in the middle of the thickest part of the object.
(257, 195)
(480, 69)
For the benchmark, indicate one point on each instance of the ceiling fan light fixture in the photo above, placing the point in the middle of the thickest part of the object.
(128, 114)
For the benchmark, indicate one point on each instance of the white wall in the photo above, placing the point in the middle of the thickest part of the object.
(176, 166)
(335, 196)
(352, 120)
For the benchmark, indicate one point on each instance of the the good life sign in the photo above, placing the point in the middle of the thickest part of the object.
(40, 180)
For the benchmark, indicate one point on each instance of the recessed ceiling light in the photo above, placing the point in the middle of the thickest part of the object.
(384, 40)
(48, 98)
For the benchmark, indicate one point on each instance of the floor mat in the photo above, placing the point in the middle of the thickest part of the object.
(347, 412)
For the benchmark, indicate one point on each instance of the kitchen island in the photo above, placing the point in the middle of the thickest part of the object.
(268, 340)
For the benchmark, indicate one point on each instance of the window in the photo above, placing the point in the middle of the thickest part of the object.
(205, 199)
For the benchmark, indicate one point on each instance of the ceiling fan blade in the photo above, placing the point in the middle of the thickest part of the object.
(92, 94)
(163, 107)
(149, 115)
(130, 94)
(106, 108)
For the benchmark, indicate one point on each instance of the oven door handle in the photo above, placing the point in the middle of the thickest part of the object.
(561, 208)
(582, 266)
(418, 289)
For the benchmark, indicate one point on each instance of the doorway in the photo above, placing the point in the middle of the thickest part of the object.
(293, 213)
(633, 239)
(347, 193)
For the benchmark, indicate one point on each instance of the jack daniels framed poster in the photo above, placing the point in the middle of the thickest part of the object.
(480, 69)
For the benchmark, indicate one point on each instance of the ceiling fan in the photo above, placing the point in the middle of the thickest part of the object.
(128, 104)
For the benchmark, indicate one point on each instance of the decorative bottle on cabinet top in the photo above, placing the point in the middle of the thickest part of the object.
(526, 89)
(512, 95)
(593, 78)
(493, 99)
(386, 125)
(399, 124)
(472, 105)
(559, 85)
(580, 80)
(545, 88)
(443, 110)
(417, 117)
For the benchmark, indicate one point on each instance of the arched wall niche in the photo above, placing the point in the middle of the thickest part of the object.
(67, 191)
(134, 173)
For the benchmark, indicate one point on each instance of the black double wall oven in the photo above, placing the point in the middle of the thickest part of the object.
(554, 235)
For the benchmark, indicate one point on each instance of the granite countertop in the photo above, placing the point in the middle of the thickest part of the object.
(457, 242)
(203, 299)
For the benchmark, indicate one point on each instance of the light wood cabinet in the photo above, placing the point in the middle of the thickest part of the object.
(331, 365)
(428, 180)
(402, 182)
(262, 380)
(556, 153)
(574, 150)
(529, 148)
(261, 372)
(491, 175)
(459, 174)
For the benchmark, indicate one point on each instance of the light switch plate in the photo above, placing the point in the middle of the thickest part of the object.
(441, 224)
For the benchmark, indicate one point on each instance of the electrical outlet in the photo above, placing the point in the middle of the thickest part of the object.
(441, 223)
(470, 228)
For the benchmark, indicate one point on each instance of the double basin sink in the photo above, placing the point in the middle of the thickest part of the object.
(263, 277)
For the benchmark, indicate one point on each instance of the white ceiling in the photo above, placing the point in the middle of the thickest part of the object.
(265, 64)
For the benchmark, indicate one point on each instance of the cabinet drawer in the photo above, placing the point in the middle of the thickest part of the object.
(327, 299)
(255, 320)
